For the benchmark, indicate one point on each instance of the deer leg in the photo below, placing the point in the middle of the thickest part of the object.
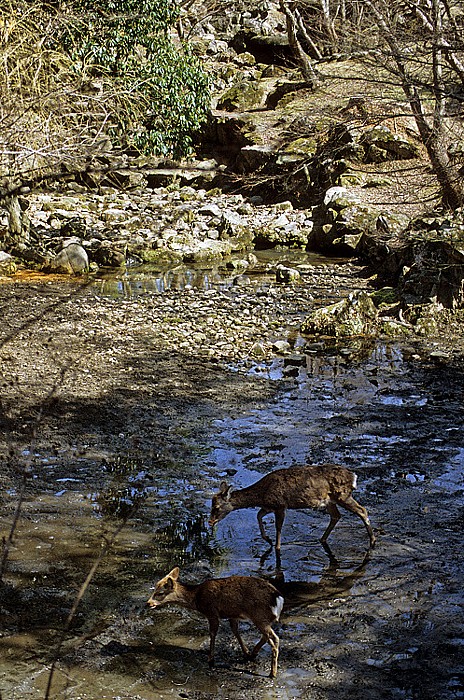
(335, 516)
(213, 628)
(268, 636)
(354, 507)
(279, 521)
(238, 636)
(274, 642)
(261, 513)
(258, 646)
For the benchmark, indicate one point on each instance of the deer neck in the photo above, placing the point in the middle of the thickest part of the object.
(245, 498)
(185, 595)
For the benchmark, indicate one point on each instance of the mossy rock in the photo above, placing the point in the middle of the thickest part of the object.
(385, 296)
(302, 146)
(354, 316)
(382, 144)
(155, 256)
(394, 329)
(243, 96)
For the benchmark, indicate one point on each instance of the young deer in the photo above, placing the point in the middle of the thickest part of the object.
(325, 486)
(234, 598)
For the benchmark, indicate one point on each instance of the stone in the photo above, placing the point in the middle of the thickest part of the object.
(281, 346)
(251, 158)
(339, 198)
(7, 264)
(107, 256)
(386, 296)
(71, 260)
(243, 96)
(354, 316)
(287, 274)
(381, 144)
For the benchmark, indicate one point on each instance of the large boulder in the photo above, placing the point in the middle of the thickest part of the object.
(342, 222)
(354, 316)
(71, 260)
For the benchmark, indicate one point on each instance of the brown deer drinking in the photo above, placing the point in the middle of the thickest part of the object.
(234, 598)
(324, 486)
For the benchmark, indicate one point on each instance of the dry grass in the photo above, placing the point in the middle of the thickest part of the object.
(50, 116)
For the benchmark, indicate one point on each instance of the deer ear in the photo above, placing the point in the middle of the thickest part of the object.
(174, 574)
(225, 490)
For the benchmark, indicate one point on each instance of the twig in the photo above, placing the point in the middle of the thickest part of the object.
(108, 543)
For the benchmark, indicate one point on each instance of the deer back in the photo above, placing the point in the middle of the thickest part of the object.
(239, 597)
(297, 487)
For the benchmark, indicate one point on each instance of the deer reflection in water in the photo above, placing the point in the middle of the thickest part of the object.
(330, 585)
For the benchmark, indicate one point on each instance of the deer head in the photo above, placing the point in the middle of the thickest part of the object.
(221, 504)
(166, 590)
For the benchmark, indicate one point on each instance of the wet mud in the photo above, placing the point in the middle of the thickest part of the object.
(116, 461)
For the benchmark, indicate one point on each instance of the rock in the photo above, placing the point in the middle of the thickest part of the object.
(343, 224)
(439, 355)
(126, 179)
(394, 329)
(385, 296)
(281, 346)
(71, 260)
(287, 274)
(258, 351)
(339, 198)
(281, 88)
(381, 144)
(210, 209)
(244, 96)
(272, 48)
(237, 265)
(355, 315)
(7, 264)
(107, 256)
(241, 281)
(251, 158)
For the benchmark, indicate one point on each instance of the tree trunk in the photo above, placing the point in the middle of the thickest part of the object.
(309, 74)
(433, 137)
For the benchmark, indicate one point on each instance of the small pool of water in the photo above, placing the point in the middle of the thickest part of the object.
(139, 279)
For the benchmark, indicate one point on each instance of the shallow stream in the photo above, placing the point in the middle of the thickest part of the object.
(379, 624)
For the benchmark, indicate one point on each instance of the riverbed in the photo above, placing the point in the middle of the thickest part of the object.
(122, 413)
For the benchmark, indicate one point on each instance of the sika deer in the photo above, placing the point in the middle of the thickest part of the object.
(234, 598)
(325, 486)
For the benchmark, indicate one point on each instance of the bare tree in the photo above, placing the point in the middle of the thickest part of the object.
(415, 45)
(295, 25)
(428, 85)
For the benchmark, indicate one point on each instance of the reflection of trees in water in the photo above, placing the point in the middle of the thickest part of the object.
(148, 279)
(184, 534)
(129, 487)
(189, 538)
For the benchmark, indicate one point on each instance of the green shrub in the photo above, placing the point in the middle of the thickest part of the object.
(164, 91)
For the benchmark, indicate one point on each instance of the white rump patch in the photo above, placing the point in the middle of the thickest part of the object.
(277, 609)
(355, 480)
